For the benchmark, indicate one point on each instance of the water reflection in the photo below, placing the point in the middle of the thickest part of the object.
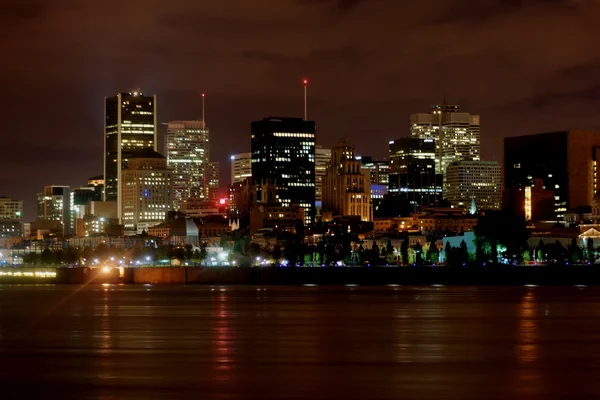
(222, 337)
(528, 348)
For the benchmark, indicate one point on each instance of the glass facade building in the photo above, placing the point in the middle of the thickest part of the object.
(283, 152)
(413, 174)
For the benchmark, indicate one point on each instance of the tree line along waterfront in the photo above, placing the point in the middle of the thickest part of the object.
(499, 238)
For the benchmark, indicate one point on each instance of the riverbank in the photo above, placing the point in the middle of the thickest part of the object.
(497, 275)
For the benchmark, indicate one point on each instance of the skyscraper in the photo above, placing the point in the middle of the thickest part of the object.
(412, 171)
(283, 152)
(54, 204)
(347, 188)
(322, 158)
(241, 167)
(129, 127)
(480, 181)
(456, 134)
(187, 151)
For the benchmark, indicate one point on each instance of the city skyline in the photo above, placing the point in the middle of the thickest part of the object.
(489, 72)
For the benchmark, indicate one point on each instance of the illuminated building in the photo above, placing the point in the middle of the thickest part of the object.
(187, 152)
(11, 209)
(322, 158)
(11, 217)
(177, 232)
(241, 167)
(54, 204)
(147, 192)
(379, 171)
(413, 177)
(456, 134)
(474, 180)
(283, 152)
(347, 187)
(564, 162)
(129, 127)
(81, 197)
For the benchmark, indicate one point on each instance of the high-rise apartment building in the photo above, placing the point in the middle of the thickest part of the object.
(456, 134)
(187, 150)
(147, 192)
(413, 174)
(347, 188)
(283, 152)
(129, 127)
(564, 161)
(322, 158)
(241, 167)
(54, 204)
(479, 181)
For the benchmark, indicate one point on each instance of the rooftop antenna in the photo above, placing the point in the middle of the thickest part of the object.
(305, 83)
(203, 120)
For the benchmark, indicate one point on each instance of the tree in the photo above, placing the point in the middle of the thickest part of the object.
(559, 252)
(389, 248)
(375, 250)
(526, 255)
(574, 251)
(591, 254)
(276, 252)
(433, 254)
(404, 251)
(505, 229)
(464, 252)
(47, 257)
(418, 254)
(448, 253)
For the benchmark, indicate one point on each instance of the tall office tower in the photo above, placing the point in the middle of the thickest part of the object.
(241, 167)
(480, 181)
(412, 171)
(347, 188)
(456, 134)
(129, 127)
(54, 204)
(147, 192)
(565, 162)
(322, 158)
(11, 217)
(187, 151)
(283, 152)
(211, 179)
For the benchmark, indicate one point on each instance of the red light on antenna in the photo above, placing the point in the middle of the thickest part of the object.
(203, 95)
(305, 82)
(223, 201)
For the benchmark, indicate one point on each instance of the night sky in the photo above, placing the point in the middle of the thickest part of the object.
(525, 66)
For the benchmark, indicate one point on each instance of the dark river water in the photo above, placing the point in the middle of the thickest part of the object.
(202, 342)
